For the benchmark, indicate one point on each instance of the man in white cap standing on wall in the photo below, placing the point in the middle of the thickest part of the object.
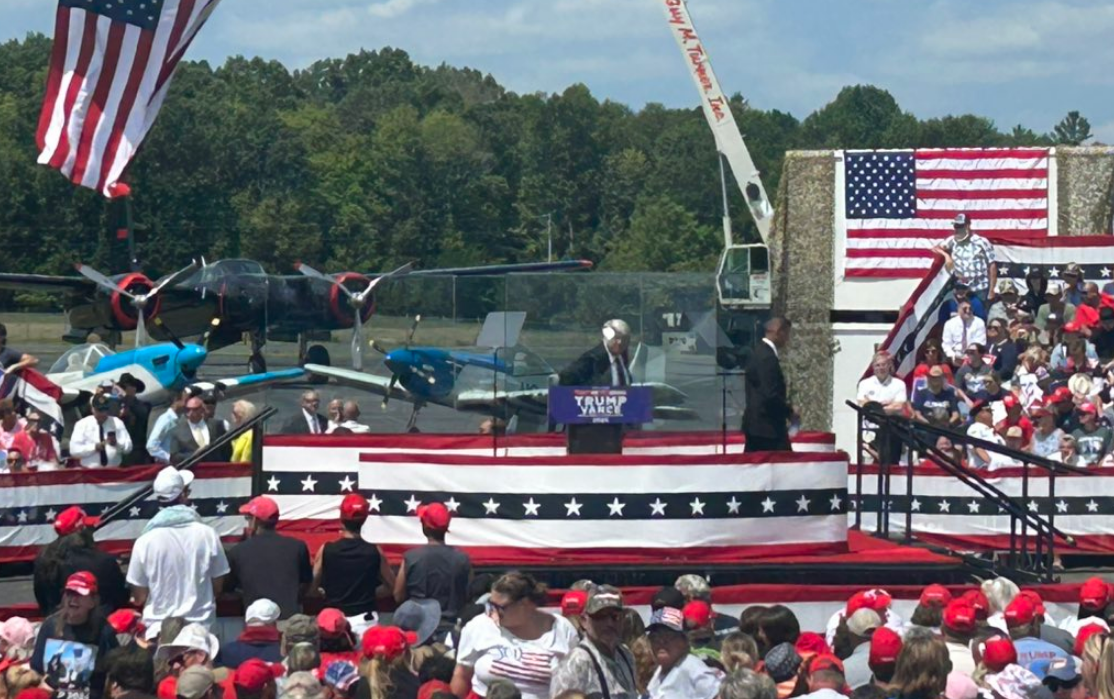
(970, 259)
(177, 564)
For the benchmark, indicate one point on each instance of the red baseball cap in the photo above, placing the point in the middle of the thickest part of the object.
(73, 519)
(1083, 634)
(1061, 394)
(1020, 612)
(812, 643)
(1010, 401)
(261, 507)
(878, 600)
(960, 615)
(997, 653)
(126, 621)
(254, 674)
(434, 516)
(83, 583)
(935, 595)
(1094, 594)
(885, 645)
(33, 693)
(978, 600)
(333, 623)
(1038, 603)
(1088, 407)
(698, 614)
(574, 602)
(825, 661)
(354, 507)
(388, 641)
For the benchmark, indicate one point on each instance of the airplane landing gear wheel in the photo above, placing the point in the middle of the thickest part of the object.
(257, 364)
(317, 354)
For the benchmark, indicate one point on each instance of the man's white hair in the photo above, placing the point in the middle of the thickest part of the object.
(999, 593)
(694, 587)
(618, 326)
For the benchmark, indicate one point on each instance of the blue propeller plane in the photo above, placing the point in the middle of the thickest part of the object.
(508, 380)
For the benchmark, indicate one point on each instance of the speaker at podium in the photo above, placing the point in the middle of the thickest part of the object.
(595, 417)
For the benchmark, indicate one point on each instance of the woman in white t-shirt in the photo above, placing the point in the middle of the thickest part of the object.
(517, 642)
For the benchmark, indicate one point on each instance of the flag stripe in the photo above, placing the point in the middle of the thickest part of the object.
(127, 103)
(979, 153)
(84, 45)
(105, 80)
(968, 197)
(937, 234)
(956, 174)
(925, 185)
(926, 165)
(882, 251)
(984, 206)
(54, 77)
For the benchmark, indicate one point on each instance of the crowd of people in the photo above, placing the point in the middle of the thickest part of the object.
(1029, 369)
(457, 635)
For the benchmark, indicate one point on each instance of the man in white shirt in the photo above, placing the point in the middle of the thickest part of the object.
(961, 331)
(982, 428)
(177, 565)
(883, 387)
(680, 674)
(100, 439)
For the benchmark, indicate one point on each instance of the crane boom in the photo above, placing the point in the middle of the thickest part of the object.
(717, 110)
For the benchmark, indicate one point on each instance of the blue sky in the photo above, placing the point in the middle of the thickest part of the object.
(1022, 61)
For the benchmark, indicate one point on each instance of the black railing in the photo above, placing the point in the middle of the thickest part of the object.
(920, 438)
(197, 457)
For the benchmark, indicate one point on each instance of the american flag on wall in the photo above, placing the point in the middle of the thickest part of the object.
(899, 204)
(109, 72)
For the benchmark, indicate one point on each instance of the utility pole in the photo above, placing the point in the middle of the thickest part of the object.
(549, 234)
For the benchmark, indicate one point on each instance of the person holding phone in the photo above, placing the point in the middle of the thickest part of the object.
(100, 440)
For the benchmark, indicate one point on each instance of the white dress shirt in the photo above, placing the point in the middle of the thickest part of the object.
(200, 432)
(86, 435)
(953, 337)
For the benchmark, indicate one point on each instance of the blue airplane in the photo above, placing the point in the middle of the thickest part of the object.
(164, 369)
(507, 380)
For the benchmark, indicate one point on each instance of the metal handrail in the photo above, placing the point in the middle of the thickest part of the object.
(197, 457)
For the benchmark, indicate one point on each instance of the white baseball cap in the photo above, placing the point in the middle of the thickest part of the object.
(191, 637)
(170, 483)
(261, 612)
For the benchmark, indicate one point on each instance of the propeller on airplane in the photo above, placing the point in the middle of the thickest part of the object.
(357, 300)
(138, 300)
(395, 377)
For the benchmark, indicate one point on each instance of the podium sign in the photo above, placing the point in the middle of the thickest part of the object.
(582, 405)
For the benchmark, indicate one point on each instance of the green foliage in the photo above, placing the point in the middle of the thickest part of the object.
(365, 162)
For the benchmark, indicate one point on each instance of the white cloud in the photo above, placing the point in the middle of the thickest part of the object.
(395, 8)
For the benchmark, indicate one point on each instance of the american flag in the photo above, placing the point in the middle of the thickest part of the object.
(31, 391)
(917, 317)
(568, 509)
(109, 72)
(899, 204)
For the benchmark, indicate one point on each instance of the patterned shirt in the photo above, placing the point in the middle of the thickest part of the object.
(578, 672)
(972, 258)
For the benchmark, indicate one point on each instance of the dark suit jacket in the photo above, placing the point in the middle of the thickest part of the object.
(183, 445)
(593, 368)
(298, 424)
(767, 409)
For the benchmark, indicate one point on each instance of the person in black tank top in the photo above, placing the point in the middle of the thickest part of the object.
(435, 571)
(350, 571)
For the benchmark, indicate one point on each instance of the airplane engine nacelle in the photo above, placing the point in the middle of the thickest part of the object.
(126, 314)
(339, 305)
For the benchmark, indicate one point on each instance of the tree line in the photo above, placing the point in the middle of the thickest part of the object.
(365, 162)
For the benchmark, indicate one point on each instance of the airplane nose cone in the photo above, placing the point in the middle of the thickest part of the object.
(191, 357)
(395, 361)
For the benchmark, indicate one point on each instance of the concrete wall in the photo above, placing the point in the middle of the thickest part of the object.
(803, 255)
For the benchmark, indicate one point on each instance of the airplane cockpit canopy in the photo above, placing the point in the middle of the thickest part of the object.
(225, 268)
(83, 358)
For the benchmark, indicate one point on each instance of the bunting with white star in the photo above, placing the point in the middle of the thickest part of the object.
(632, 508)
(948, 513)
(30, 502)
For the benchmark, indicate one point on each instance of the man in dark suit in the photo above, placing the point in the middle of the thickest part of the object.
(606, 364)
(767, 413)
(195, 432)
(308, 420)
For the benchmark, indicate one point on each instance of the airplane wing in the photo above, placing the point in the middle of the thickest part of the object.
(248, 383)
(495, 270)
(359, 379)
(46, 283)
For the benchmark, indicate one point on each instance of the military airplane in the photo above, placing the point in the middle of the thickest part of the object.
(164, 369)
(241, 294)
(500, 377)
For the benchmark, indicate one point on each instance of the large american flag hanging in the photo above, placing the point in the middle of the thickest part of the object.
(109, 72)
(917, 317)
(899, 204)
(518, 510)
